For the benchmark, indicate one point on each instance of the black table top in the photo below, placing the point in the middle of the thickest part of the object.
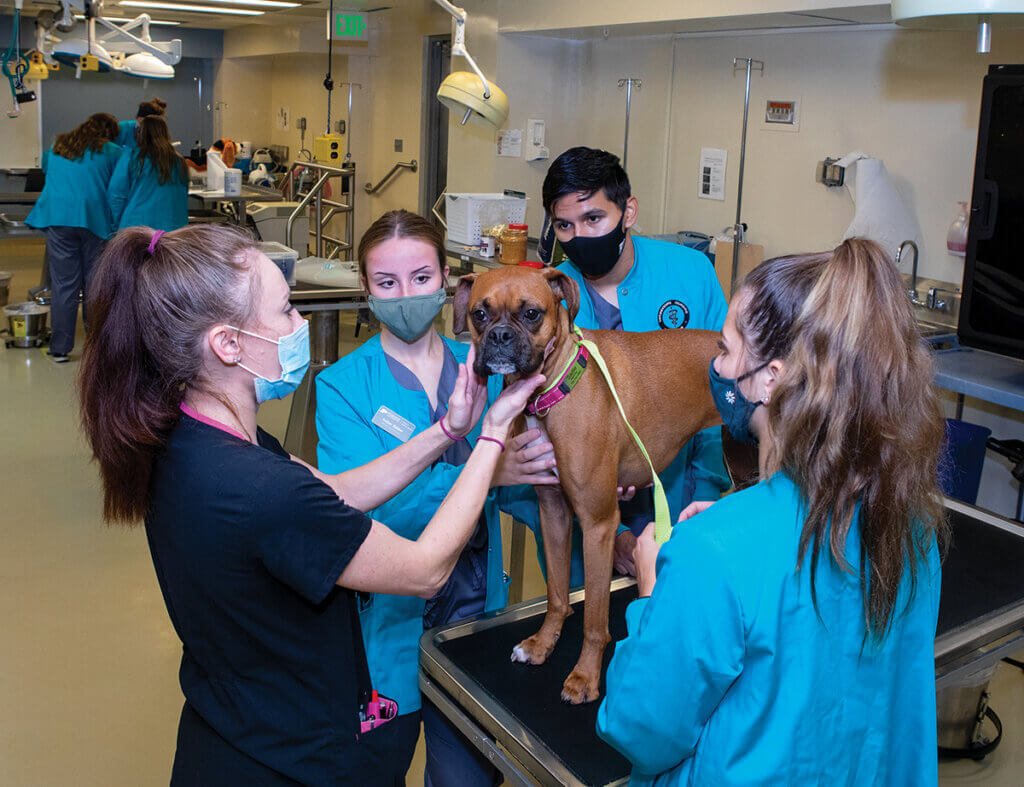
(983, 571)
(532, 694)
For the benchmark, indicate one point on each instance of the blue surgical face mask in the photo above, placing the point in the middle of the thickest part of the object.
(293, 355)
(736, 410)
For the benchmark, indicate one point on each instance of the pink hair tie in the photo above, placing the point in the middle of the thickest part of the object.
(447, 434)
(154, 240)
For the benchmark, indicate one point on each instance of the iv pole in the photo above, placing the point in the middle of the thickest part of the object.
(628, 83)
(748, 65)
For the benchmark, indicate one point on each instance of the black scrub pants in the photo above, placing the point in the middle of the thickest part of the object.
(72, 253)
(204, 759)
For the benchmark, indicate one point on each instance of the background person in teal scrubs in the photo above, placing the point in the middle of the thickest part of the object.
(126, 138)
(74, 210)
(776, 660)
(631, 283)
(149, 187)
(371, 401)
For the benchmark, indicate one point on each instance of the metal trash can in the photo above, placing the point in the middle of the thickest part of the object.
(962, 710)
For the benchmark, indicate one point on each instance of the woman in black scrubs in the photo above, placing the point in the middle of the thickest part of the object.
(257, 555)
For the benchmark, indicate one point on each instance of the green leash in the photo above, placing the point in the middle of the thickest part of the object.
(662, 521)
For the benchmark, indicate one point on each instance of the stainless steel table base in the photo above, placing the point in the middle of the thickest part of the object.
(300, 439)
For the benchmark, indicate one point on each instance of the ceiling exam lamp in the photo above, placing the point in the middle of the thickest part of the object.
(960, 15)
(467, 94)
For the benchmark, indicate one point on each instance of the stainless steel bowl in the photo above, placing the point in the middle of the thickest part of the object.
(26, 324)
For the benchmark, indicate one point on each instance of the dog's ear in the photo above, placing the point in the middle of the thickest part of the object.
(460, 303)
(565, 289)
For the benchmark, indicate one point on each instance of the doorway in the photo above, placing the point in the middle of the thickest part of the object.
(437, 64)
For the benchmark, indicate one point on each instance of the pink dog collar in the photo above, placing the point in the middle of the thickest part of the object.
(557, 392)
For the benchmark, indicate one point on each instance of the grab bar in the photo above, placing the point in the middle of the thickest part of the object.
(371, 189)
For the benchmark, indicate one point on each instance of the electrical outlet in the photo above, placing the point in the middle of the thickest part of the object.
(340, 125)
(302, 124)
(398, 146)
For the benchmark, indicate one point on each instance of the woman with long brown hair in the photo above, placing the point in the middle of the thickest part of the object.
(149, 187)
(392, 387)
(74, 211)
(257, 555)
(791, 625)
(127, 137)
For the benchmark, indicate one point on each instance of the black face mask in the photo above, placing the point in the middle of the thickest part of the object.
(594, 257)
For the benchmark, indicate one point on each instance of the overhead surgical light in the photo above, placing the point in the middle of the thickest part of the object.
(71, 50)
(960, 15)
(147, 66)
(128, 53)
(470, 95)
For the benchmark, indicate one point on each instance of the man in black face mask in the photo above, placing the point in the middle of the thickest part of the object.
(634, 283)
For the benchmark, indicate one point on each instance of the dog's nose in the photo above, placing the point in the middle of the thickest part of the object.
(501, 335)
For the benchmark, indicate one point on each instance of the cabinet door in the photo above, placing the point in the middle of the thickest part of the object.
(992, 313)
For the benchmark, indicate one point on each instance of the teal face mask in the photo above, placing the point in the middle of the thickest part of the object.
(292, 354)
(408, 318)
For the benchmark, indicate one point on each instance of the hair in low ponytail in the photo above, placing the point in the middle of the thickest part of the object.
(148, 316)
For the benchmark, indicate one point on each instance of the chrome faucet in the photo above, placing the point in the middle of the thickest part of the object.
(912, 292)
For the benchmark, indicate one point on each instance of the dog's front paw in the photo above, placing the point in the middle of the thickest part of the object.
(532, 650)
(579, 687)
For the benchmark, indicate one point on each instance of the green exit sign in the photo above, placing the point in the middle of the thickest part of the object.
(348, 26)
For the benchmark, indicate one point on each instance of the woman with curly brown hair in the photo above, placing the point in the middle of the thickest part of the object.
(74, 210)
(791, 625)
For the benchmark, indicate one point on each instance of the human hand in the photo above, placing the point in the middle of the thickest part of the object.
(509, 406)
(625, 543)
(645, 557)
(468, 399)
(694, 508)
(529, 460)
(627, 493)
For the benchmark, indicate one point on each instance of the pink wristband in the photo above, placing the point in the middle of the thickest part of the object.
(447, 434)
(493, 440)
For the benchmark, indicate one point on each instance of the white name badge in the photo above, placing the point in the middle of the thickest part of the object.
(392, 423)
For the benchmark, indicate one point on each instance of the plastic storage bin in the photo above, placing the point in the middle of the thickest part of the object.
(283, 257)
(467, 214)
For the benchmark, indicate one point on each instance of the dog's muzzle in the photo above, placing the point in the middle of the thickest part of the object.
(504, 349)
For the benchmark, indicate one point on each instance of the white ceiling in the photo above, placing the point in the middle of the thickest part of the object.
(309, 10)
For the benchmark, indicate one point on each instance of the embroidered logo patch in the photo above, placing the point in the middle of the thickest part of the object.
(673, 314)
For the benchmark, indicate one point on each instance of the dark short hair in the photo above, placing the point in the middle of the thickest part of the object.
(586, 170)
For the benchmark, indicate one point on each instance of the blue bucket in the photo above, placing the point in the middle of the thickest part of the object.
(963, 457)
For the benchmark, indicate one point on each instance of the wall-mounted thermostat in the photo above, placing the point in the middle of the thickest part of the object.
(781, 114)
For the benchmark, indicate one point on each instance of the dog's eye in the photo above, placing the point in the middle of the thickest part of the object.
(479, 315)
(531, 314)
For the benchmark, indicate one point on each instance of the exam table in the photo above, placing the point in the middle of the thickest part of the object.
(514, 715)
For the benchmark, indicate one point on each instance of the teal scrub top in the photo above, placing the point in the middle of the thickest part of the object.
(139, 199)
(348, 395)
(728, 675)
(126, 135)
(669, 287)
(75, 194)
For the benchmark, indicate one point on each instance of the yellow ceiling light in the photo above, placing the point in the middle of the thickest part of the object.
(470, 95)
(959, 15)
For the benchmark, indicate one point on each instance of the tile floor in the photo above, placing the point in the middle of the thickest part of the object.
(88, 667)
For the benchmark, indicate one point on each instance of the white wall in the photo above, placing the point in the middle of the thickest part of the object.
(911, 98)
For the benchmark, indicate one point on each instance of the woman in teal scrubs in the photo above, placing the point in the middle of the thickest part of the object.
(74, 211)
(126, 128)
(371, 401)
(149, 187)
(785, 634)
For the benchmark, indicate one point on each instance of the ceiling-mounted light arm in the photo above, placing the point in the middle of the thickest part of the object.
(167, 52)
(459, 40)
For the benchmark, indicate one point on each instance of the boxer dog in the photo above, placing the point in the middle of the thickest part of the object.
(519, 326)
